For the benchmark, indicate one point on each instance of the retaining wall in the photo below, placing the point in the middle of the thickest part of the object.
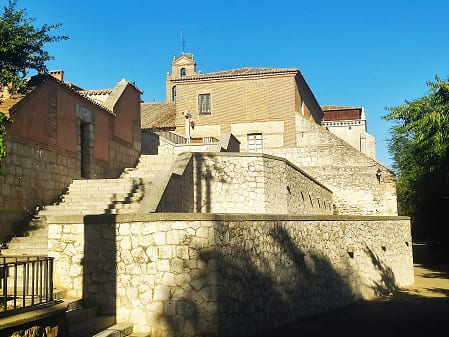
(226, 275)
(360, 185)
(255, 183)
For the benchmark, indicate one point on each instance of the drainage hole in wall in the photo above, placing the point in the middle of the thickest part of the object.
(384, 248)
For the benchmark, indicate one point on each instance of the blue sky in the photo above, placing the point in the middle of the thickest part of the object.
(370, 53)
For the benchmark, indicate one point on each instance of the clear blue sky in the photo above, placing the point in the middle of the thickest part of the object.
(371, 53)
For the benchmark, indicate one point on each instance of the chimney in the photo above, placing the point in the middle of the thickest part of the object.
(58, 74)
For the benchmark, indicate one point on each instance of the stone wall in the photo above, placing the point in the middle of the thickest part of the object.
(255, 183)
(37, 175)
(244, 183)
(360, 185)
(34, 175)
(227, 275)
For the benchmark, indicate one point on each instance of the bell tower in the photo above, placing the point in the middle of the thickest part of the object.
(182, 66)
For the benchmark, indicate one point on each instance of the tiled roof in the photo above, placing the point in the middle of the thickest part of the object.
(160, 115)
(246, 71)
(108, 97)
(100, 95)
(8, 104)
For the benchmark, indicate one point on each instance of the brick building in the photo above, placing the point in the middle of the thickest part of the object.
(273, 110)
(259, 106)
(57, 132)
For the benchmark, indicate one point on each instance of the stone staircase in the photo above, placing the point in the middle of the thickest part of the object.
(99, 196)
(88, 322)
(138, 189)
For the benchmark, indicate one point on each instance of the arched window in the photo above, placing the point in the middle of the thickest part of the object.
(183, 72)
(173, 94)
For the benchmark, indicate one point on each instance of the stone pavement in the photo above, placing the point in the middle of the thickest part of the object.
(419, 310)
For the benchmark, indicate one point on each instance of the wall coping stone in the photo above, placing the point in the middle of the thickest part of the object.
(154, 217)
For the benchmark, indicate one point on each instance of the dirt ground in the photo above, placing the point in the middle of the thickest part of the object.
(419, 310)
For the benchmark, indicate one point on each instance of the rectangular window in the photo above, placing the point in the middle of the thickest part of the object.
(255, 142)
(204, 104)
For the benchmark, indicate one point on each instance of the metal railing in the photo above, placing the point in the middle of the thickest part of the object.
(177, 139)
(173, 137)
(25, 282)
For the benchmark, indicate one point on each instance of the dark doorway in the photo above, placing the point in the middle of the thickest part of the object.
(85, 149)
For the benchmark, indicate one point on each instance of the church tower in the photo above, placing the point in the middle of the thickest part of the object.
(181, 66)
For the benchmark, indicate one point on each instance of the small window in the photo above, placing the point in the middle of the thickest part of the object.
(173, 94)
(183, 72)
(255, 142)
(204, 104)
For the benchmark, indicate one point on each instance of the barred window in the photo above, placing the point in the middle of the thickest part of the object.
(183, 72)
(204, 104)
(255, 142)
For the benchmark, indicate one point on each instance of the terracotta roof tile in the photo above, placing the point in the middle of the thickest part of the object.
(239, 72)
(9, 103)
(160, 115)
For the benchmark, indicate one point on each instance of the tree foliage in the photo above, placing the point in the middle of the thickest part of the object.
(419, 145)
(21, 49)
(22, 45)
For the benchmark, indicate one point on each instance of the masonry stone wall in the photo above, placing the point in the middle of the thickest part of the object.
(121, 156)
(34, 175)
(37, 175)
(360, 185)
(245, 183)
(227, 275)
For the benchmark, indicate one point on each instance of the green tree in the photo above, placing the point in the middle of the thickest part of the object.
(21, 49)
(419, 145)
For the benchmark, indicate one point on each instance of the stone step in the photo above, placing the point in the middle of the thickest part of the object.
(100, 181)
(76, 316)
(32, 243)
(96, 198)
(140, 334)
(25, 239)
(117, 330)
(99, 188)
(92, 206)
(102, 196)
(27, 244)
(81, 211)
(41, 232)
(90, 326)
(25, 252)
(142, 174)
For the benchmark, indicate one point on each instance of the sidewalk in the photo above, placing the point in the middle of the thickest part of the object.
(420, 310)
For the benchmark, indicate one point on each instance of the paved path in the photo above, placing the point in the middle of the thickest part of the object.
(419, 310)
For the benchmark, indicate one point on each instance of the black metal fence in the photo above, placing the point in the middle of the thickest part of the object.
(25, 282)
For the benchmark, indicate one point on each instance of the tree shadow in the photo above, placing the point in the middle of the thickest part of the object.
(243, 290)
(387, 282)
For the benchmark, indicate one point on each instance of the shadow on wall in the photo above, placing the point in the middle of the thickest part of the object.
(150, 142)
(252, 292)
(203, 181)
(387, 282)
(99, 263)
